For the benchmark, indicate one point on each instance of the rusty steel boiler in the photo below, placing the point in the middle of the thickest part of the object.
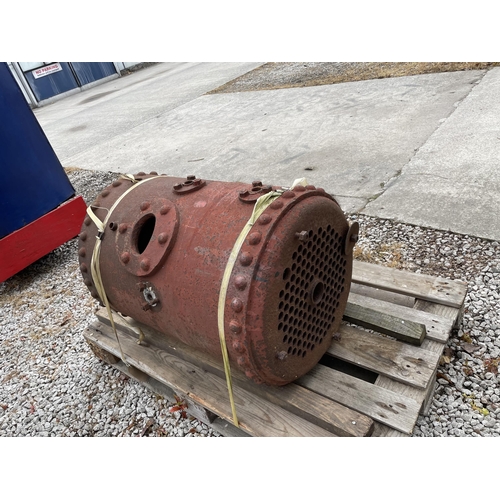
(164, 252)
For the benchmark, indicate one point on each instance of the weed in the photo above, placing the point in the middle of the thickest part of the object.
(491, 365)
(468, 371)
(466, 338)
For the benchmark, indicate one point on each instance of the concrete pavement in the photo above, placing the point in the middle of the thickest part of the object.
(421, 149)
(453, 182)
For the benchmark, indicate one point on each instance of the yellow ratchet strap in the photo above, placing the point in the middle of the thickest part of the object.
(260, 205)
(95, 268)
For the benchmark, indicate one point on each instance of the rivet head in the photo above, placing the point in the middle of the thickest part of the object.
(288, 194)
(153, 173)
(276, 205)
(82, 252)
(256, 183)
(162, 238)
(238, 347)
(299, 188)
(321, 190)
(122, 228)
(191, 177)
(87, 221)
(116, 183)
(125, 257)
(164, 210)
(237, 305)
(83, 235)
(234, 326)
(145, 264)
(310, 187)
(240, 282)
(144, 205)
(141, 173)
(254, 238)
(177, 186)
(246, 258)
(264, 219)
(83, 268)
(105, 193)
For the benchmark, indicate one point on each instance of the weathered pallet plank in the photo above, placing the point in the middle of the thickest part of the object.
(383, 322)
(438, 327)
(227, 429)
(433, 289)
(422, 396)
(397, 360)
(382, 405)
(383, 295)
(453, 314)
(384, 431)
(314, 407)
(256, 418)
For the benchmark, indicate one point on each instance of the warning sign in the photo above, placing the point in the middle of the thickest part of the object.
(47, 70)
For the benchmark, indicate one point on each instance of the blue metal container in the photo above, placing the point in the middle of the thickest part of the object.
(33, 181)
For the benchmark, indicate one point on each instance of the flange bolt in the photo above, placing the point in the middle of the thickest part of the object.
(302, 236)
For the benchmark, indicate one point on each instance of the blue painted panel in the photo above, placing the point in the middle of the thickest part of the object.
(50, 85)
(33, 180)
(88, 72)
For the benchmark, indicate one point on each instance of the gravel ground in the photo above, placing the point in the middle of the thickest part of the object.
(52, 385)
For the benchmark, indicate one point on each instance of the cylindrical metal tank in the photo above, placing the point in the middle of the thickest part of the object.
(166, 246)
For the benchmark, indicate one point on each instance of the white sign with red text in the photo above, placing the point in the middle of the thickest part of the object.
(47, 70)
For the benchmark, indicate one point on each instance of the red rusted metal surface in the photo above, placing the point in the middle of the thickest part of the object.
(165, 249)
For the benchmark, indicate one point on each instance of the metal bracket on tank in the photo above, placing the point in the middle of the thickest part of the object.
(351, 238)
(255, 192)
(192, 183)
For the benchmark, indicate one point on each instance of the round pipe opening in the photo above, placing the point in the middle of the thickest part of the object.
(143, 232)
(317, 292)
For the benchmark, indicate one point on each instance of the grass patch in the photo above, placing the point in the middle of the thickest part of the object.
(68, 170)
(389, 255)
(280, 75)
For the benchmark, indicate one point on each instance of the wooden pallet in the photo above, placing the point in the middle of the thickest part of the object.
(374, 381)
